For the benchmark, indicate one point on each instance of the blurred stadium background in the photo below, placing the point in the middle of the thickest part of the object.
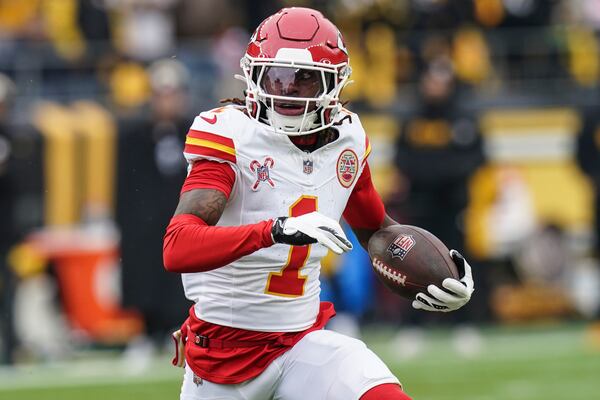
(484, 116)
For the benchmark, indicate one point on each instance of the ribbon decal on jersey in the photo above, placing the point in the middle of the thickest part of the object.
(262, 172)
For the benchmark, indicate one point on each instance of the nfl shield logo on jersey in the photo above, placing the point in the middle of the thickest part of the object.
(307, 166)
(262, 172)
(401, 246)
(197, 380)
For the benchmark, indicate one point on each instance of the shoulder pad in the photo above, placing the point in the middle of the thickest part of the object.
(210, 136)
(353, 126)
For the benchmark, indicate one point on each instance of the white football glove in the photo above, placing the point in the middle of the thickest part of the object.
(311, 228)
(458, 292)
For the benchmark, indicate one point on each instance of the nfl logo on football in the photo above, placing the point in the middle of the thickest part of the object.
(401, 246)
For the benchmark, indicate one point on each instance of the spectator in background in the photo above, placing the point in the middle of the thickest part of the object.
(588, 156)
(202, 19)
(7, 231)
(95, 25)
(147, 27)
(347, 281)
(226, 49)
(7, 89)
(150, 173)
(438, 149)
(439, 14)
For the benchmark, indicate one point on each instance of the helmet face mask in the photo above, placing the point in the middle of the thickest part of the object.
(293, 82)
(286, 88)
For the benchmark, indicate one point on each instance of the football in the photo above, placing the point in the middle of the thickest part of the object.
(407, 259)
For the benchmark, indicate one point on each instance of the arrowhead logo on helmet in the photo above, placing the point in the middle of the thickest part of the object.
(295, 68)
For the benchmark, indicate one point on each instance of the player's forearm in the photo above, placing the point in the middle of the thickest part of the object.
(364, 235)
(365, 211)
(190, 245)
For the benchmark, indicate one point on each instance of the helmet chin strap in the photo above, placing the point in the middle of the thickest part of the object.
(294, 124)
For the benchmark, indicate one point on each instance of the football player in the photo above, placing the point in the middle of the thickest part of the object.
(267, 184)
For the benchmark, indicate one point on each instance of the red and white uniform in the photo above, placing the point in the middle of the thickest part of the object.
(245, 287)
(275, 289)
(255, 330)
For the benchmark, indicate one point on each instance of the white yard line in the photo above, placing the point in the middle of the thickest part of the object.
(84, 373)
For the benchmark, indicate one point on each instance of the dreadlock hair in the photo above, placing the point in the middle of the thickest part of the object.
(233, 100)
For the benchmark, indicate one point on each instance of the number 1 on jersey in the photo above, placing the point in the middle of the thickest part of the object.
(289, 282)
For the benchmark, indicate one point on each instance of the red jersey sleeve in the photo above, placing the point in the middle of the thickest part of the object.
(207, 174)
(190, 245)
(365, 208)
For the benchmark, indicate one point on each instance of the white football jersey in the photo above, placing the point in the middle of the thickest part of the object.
(275, 289)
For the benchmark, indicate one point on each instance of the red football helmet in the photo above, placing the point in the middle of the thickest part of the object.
(295, 67)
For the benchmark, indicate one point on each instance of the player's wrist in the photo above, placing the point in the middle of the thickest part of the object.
(287, 230)
(277, 225)
(268, 239)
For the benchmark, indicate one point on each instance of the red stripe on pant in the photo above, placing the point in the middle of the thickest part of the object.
(387, 391)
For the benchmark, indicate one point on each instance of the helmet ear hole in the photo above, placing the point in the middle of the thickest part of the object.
(329, 81)
(327, 116)
(254, 74)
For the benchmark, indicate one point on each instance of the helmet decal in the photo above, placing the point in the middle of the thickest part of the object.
(340, 43)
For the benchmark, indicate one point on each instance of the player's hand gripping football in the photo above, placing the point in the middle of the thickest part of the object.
(308, 229)
(457, 293)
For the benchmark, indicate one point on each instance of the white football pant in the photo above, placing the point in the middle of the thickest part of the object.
(324, 365)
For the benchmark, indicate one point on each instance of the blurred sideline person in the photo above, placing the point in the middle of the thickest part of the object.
(150, 173)
(588, 156)
(7, 229)
(260, 207)
(438, 149)
(347, 281)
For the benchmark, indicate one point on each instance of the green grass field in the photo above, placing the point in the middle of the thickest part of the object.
(538, 363)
